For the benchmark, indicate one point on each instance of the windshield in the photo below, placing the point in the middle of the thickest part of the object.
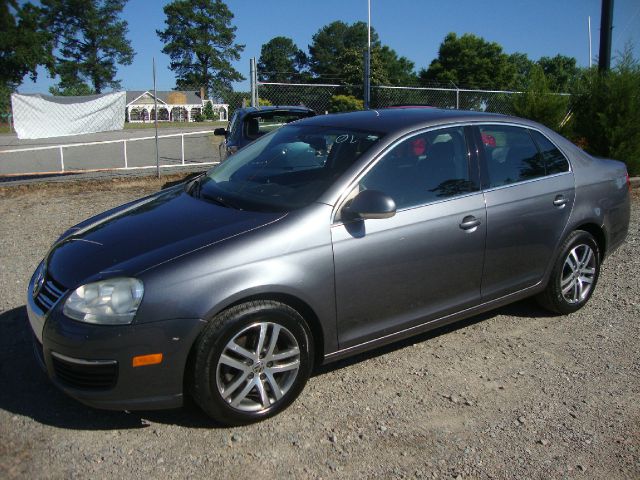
(286, 169)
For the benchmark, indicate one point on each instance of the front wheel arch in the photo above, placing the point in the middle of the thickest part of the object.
(211, 345)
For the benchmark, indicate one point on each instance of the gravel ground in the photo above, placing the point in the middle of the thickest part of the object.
(515, 393)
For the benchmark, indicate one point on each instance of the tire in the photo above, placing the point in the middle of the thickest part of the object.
(233, 380)
(574, 275)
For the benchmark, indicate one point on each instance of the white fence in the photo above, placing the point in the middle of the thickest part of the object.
(206, 155)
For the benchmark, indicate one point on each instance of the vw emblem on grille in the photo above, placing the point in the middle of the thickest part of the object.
(38, 282)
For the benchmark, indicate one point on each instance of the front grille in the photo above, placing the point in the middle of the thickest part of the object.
(85, 375)
(49, 294)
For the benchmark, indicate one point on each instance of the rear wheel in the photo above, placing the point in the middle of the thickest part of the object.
(251, 362)
(574, 275)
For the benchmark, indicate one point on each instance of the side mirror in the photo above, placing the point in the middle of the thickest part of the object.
(370, 204)
(220, 132)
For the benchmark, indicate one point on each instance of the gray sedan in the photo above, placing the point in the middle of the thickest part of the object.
(327, 237)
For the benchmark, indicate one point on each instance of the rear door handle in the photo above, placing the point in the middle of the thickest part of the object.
(469, 222)
(560, 201)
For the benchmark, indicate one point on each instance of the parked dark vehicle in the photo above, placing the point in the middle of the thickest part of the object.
(250, 123)
(324, 238)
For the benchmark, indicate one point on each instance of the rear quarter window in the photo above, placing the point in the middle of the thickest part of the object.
(555, 161)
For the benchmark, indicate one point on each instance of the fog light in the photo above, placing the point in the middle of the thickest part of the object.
(143, 360)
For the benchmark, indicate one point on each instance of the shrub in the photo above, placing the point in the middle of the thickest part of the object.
(538, 103)
(345, 103)
(606, 112)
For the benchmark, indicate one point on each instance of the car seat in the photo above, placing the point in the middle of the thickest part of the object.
(253, 128)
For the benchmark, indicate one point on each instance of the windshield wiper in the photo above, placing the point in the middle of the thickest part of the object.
(219, 200)
(194, 186)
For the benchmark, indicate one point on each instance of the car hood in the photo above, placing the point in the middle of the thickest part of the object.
(140, 235)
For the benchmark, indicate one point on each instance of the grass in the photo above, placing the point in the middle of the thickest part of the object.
(198, 125)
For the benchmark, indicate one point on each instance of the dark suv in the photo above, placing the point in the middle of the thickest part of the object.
(250, 123)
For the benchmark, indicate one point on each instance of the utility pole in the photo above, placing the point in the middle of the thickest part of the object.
(253, 77)
(590, 52)
(606, 27)
(367, 61)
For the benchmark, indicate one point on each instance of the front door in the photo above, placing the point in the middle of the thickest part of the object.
(424, 262)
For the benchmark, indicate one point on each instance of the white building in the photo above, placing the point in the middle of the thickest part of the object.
(173, 106)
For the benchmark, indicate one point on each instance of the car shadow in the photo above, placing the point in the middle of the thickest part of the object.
(26, 390)
(526, 308)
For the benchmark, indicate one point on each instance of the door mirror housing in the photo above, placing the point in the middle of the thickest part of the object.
(370, 204)
(220, 132)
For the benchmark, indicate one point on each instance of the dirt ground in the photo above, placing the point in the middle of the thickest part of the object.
(514, 393)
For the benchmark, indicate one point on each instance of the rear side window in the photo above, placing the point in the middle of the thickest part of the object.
(555, 161)
(257, 125)
(511, 155)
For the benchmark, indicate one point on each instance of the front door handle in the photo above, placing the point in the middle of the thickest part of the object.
(560, 201)
(469, 223)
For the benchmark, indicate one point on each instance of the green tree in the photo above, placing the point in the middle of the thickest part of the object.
(470, 61)
(330, 42)
(24, 45)
(91, 42)
(199, 39)
(207, 111)
(352, 62)
(337, 54)
(606, 111)
(538, 103)
(560, 71)
(522, 70)
(281, 61)
(398, 70)
(77, 89)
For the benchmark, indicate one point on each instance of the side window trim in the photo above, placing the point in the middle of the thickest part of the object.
(472, 161)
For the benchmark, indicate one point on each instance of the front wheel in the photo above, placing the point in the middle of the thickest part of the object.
(251, 362)
(574, 275)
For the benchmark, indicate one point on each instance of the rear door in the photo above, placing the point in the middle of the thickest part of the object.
(529, 192)
(424, 262)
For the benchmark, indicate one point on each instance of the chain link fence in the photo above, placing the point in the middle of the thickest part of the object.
(315, 96)
(318, 96)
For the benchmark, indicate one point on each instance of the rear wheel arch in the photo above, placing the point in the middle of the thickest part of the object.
(581, 274)
(598, 233)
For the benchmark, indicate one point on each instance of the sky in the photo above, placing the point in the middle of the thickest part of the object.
(413, 28)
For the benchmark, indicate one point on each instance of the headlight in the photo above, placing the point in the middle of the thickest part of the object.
(108, 302)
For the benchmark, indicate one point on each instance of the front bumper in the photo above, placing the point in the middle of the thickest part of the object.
(93, 363)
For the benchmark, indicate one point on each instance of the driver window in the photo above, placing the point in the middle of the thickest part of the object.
(423, 168)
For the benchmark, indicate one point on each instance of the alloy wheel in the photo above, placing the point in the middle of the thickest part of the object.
(258, 366)
(578, 274)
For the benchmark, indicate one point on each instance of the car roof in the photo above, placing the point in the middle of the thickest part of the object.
(271, 108)
(395, 119)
